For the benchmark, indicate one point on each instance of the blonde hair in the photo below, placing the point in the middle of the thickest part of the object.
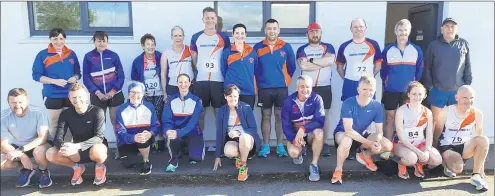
(367, 79)
(403, 22)
(77, 86)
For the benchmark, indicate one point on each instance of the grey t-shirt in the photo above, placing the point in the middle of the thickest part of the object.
(22, 130)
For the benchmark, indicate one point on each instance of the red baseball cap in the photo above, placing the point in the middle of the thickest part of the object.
(313, 26)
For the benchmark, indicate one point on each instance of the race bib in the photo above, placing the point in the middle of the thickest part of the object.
(459, 140)
(415, 135)
(152, 85)
(211, 65)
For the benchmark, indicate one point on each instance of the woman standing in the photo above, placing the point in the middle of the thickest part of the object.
(175, 60)
(146, 68)
(237, 135)
(239, 63)
(103, 75)
(56, 68)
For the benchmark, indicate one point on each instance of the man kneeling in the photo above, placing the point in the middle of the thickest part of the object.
(457, 144)
(303, 115)
(24, 136)
(85, 124)
(137, 125)
(180, 124)
(352, 132)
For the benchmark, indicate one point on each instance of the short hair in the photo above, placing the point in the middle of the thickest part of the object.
(366, 79)
(209, 9)
(78, 86)
(55, 32)
(185, 75)
(16, 92)
(134, 84)
(147, 36)
(305, 78)
(177, 27)
(402, 23)
(239, 25)
(358, 19)
(271, 20)
(99, 35)
(410, 87)
(230, 89)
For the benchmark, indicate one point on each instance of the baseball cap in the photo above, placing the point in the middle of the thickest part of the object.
(449, 20)
(314, 26)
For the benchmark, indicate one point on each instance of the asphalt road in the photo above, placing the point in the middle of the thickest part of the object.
(374, 184)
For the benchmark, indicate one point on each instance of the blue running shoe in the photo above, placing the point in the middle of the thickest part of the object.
(281, 152)
(25, 177)
(45, 179)
(265, 150)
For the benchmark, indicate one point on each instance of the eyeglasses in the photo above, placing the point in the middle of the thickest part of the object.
(135, 92)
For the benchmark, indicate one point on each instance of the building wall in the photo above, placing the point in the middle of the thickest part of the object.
(19, 48)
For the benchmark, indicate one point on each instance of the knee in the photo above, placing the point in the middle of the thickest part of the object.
(40, 151)
(98, 151)
(318, 134)
(230, 152)
(278, 112)
(246, 141)
(435, 160)
(457, 168)
(294, 152)
(266, 114)
(410, 159)
(51, 154)
(390, 117)
(345, 145)
(386, 145)
(482, 141)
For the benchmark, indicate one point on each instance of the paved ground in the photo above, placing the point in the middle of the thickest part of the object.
(257, 166)
(374, 184)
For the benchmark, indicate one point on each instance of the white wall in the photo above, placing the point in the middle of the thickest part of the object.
(19, 49)
(476, 25)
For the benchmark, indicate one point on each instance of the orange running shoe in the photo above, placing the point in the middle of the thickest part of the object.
(366, 161)
(77, 176)
(337, 177)
(243, 173)
(100, 175)
(418, 170)
(403, 172)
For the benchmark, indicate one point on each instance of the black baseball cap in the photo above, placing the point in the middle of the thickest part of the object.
(449, 20)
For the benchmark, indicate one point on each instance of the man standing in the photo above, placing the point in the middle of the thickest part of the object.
(276, 65)
(360, 55)
(24, 135)
(402, 64)
(447, 67)
(315, 59)
(206, 50)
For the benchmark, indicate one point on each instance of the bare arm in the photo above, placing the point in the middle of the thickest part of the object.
(6, 147)
(352, 133)
(340, 70)
(479, 122)
(440, 122)
(46, 80)
(429, 130)
(378, 67)
(194, 57)
(379, 131)
(41, 139)
(307, 66)
(164, 70)
(325, 61)
(399, 128)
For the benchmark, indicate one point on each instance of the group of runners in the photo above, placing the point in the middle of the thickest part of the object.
(170, 92)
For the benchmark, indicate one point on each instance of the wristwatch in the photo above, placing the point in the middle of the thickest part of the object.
(21, 149)
(311, 60)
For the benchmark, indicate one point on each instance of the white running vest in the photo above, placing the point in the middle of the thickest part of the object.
(179, 63)
(414, 125)
(456, 130)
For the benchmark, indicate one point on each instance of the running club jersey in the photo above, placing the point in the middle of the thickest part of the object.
(209, 49)
(179, 63)
(362, 116)
(359, 58)
(457, 130)
(322, 76)
(414, 125)
(151, 78)
(234, 124)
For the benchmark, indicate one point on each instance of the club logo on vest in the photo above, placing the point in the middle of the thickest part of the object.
(251, 60)
(282, 53)
(72, 61)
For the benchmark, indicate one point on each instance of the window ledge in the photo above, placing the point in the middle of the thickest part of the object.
(79, 40)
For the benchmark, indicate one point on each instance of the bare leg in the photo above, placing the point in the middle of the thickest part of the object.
(246, 143)
(344, 143)
(98, 153)
(317, 145)
(278, 125)
(39, 154)
(266, 124)
(437, 131)
(389, 127)
(477, 148)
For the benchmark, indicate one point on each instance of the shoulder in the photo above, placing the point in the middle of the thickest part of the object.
(345, 44)
(196, 35)
(258, 45)
(6, 114)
